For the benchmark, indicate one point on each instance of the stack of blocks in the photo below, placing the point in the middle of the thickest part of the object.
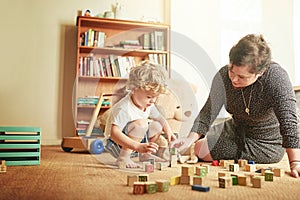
(141, 184)
(228, 176)
(20, 145)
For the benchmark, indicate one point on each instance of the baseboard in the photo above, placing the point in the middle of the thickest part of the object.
(50, 142)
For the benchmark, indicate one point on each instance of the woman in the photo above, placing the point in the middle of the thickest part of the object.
(260, 98)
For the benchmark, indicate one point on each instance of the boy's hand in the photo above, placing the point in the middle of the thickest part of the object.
(150, 147)
(182, 144)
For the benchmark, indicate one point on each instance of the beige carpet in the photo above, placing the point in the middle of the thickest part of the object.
(79, 175)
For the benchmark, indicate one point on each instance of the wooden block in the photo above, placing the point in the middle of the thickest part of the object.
(234, 180)
(175, 180)
(215, 163)
(173, 151)
(250, 168)
(151, 187)
(206, 166)
(278, 172)
(201, 171)
(251, 162)
(185, 180)
(149, 168)
(139, 188)
(200, 188)
(234, 167)
(269, 175)
(143, 178)
(242, 180)
(257, 182)
(225, 182)
(131, 179)
(242, 162)
(187, 170)
(162, 165)
(197, 180)
(3, 167)
(162, 185)
(223, 173)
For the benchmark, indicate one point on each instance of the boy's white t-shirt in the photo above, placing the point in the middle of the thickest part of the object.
(125, 111)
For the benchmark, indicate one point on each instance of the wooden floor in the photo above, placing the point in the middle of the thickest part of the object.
(79, 175)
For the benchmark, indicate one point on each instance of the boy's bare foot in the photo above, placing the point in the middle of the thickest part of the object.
(146, 156)
(127, 162)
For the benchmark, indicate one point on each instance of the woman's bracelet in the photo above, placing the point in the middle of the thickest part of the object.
(295, 164)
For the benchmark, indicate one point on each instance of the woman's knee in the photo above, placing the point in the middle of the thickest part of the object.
(201, 150)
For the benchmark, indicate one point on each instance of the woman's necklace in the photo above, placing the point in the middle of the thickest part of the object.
(247, 107)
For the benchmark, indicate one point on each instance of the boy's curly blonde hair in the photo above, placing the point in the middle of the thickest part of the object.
(147, 76)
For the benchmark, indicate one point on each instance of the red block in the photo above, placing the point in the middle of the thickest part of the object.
(215, 163)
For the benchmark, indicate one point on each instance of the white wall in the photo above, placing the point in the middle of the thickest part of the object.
(38, 53)
(212, 28)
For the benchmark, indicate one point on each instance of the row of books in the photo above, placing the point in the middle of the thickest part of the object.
(110, 66)
(154, 40)
(91, 101)
(82, 126)
(160, 59)
(92, 38)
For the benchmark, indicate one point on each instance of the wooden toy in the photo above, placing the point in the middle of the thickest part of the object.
(149, 168)
(162, 165)
(200, 188)
(269, 175)
(143, 178)
(185, 180)
(139, 188)
(88, 142)
(162, 185)
(278, 172)
(223, 173)
(2, 166)
(251, 162)
(234, 180)
(257, 182)
(20, 145)
(242, 162)
(197, 180)
(250, 167)
(173, 160)
(201, 171)
(131, 179)
(215, 163)
(242, 180)
(206, 166)
(234, 167)
(225, 182)
(175, 180)
(151, 187)
(188, 170)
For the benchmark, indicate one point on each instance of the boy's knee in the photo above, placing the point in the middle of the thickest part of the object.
(155, 128)
(138, 128)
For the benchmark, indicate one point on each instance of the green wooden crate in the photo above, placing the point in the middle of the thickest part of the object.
(20, 145)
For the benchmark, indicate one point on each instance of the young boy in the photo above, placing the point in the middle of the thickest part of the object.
(135, 116)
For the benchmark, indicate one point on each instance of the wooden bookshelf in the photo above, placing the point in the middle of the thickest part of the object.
(103, 62)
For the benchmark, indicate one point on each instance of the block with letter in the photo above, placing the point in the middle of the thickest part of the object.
(151, 187)
(187, 170)
(257, 182)
(143, 177)
(201, 171)
(278, 172)
(225, 182)
(197, 180)
(269, 175)
(139, 187)
(162, 185)
(175, 180)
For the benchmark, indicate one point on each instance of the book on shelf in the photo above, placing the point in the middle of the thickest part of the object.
(92, 38)
(110, 66)
(154, 40)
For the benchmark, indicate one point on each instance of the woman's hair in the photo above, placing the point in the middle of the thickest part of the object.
(147, 76)
(253, 51)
